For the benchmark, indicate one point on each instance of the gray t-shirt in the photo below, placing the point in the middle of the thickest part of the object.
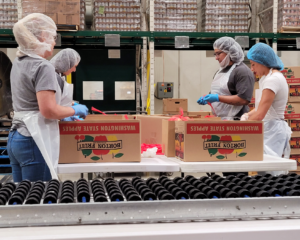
(29, 76)
(241, 83)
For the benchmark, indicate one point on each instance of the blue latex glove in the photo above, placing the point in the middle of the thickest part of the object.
(211, 98)
(75, 103)
(201, 101)
(71, 119)
(80, 110)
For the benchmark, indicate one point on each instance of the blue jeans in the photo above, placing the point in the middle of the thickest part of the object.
(26, 159)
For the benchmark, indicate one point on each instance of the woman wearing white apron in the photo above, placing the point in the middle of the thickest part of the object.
(33, 143)
(232, 86)
(271, 99)
(65, 62)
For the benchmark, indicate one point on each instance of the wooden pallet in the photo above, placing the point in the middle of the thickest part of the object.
(67, 28)
(289, 29)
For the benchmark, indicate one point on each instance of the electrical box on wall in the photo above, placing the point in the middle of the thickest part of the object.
(164, 90)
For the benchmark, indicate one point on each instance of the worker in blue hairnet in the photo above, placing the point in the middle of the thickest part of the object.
(65, 62)
(270, 100)
(232, 86)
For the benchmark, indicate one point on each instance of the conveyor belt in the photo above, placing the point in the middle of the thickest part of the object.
(151, 200)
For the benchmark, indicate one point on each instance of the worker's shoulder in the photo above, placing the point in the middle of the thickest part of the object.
(242, 68)
(242, 71)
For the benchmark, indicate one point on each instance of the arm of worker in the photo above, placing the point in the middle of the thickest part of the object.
(50, 109)
(233, 100)
(265, 103)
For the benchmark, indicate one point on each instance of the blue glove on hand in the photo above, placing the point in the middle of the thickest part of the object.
(71, 119)
(211, 98)
(201, 101)
(80, 110)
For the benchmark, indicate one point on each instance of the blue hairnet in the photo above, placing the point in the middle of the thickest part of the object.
(265, 55)
(229, 46)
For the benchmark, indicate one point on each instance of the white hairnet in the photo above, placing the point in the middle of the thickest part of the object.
(229, 46)
(65, 60)
(35, 34)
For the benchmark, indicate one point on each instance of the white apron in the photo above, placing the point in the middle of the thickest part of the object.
(277, 133)
(67, 95)
(45, 132)
(220, 86)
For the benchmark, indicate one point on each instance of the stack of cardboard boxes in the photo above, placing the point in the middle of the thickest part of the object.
(292, 112)
(63, 12)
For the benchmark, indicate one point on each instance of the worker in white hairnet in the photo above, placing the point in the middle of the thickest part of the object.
(232, 86)
(33, 143)
(65, 62)
(270, 100)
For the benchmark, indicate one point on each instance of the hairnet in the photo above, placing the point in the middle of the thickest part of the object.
(65, 60)
(229, 46)
(265, 55)
(29, 32)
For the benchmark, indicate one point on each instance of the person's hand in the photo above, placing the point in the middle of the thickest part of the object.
(80, 110)
(201, 101)
(71, 119)
(245, 117)
(211, 98)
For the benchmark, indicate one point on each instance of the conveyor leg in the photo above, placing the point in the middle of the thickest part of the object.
(90, 176)
(182, 174)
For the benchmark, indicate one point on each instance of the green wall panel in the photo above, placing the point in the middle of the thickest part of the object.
(96, 66)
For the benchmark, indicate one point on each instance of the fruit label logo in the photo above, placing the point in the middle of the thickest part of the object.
(295, 142)
(294, 90)
(179, 145)
(289, 109)
(224, 146)
(297, 158)
(288, 73)
(96, 147)
(295, 125)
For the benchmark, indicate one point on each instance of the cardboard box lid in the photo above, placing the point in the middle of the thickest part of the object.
(174, 105)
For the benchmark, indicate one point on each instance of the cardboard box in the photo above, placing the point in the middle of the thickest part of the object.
(68, 19)
(65, 12)
(295, 126)
(294, 92)
(33, 6)
(295, 145)
(100, 141)
(173, 105)
(292, 75)
(251, 106)
(201, 113)
(292, 111)
(203, 141)
(296, 157)
(168, 138)
(151, 128)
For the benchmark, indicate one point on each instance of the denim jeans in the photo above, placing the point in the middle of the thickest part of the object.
(26, 159)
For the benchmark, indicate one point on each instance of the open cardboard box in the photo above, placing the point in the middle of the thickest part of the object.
(205, 141)
(100, 141)
(172, 106)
